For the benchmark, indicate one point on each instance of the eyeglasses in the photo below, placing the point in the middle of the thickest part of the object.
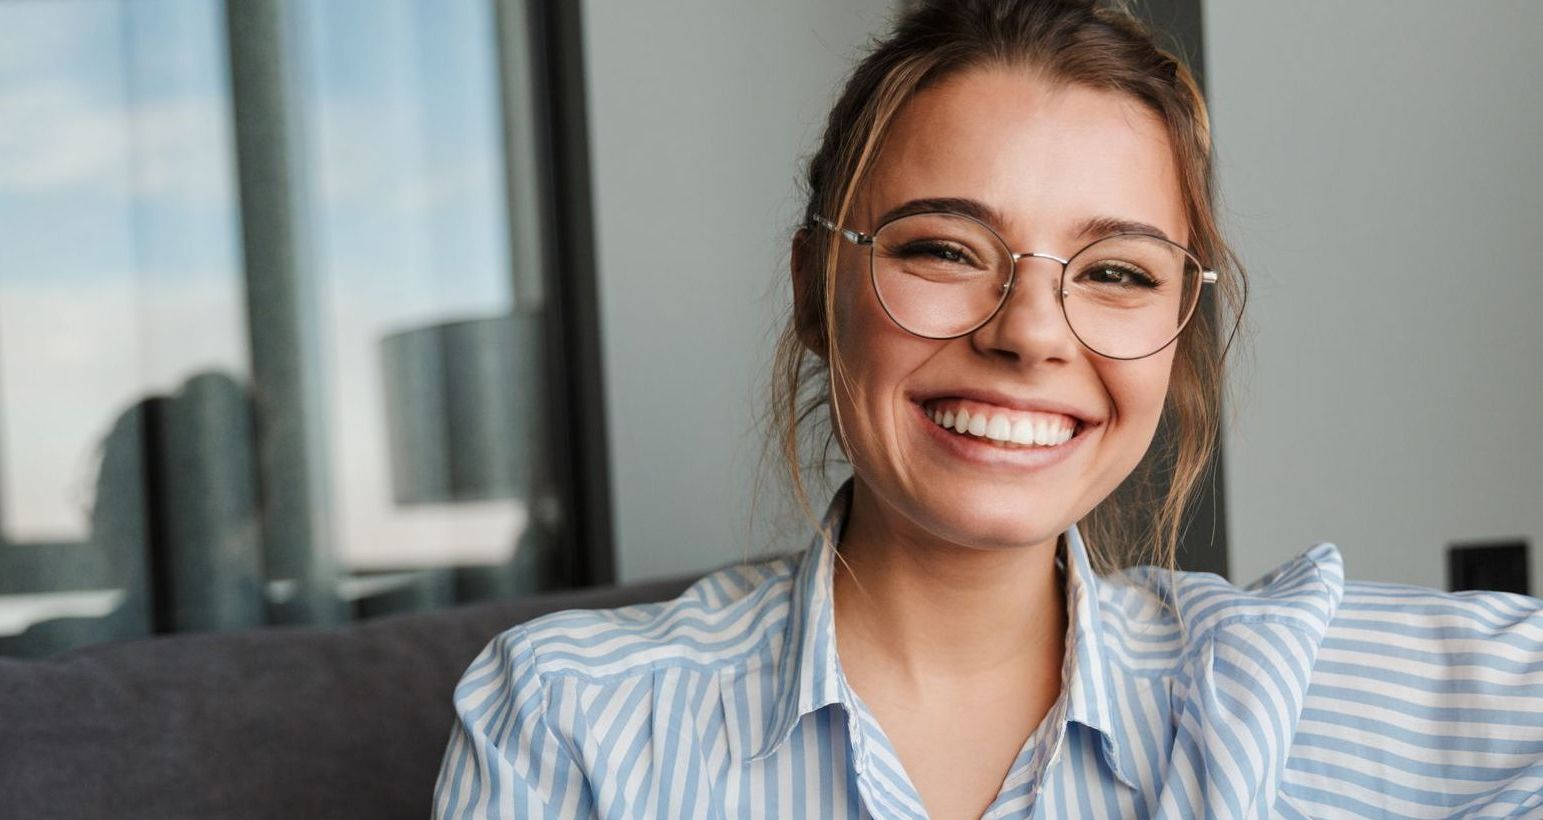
(942, 275)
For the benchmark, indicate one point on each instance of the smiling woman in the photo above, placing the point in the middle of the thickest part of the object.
(1051, 159)
(1007, 275)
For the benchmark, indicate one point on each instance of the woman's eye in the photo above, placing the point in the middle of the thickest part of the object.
(940, 251)
(1120, 276)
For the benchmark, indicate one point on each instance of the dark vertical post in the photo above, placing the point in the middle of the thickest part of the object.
(543, 553)
(520, 113)
(208, 568)
(281, 308)
(547, 151)
(1203, 543)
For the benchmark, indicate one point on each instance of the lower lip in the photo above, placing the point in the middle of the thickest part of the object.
(978, 451)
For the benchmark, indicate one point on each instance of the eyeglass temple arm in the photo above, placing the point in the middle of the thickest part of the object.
(855, 237)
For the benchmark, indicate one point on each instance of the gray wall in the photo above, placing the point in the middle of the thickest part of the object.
(1382, 170)
(700, 111)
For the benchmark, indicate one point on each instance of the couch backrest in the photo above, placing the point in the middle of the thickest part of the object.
(276, 723)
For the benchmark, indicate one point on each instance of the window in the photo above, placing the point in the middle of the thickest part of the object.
(287, 312)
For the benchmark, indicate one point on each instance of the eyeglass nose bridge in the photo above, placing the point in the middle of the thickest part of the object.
(1013, 279)
(1038, 255)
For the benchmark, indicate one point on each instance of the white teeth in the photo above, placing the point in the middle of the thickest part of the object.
(1036, 432)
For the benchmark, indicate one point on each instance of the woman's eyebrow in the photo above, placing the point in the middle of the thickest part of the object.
(974, 208)
(1107, 225)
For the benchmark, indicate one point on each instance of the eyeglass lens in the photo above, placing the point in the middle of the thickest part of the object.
(942, 275)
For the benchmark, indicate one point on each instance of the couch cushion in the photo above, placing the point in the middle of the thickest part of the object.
(277, 723)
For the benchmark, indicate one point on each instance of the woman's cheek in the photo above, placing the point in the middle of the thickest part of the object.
(1139, 403)
(851, 321)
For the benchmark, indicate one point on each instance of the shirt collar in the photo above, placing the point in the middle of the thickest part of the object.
(808, 677)
(1085, 674)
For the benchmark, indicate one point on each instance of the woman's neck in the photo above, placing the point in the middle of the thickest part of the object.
(930, 615)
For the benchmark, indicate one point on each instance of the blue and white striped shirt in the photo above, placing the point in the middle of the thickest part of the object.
(1299, 696)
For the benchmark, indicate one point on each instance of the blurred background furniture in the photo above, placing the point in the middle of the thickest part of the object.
(289, 722)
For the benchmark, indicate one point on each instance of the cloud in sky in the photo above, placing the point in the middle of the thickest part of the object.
(58, 136)
(38, 37)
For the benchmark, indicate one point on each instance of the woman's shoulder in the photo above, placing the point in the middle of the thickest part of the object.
(1418, 694)
(1498, 631)
(1302, 594)
(1355, 628)
(720, 618)
(1310, 593)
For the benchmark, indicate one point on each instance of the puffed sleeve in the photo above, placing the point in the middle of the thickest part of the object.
(506, 758)
(1424, 703)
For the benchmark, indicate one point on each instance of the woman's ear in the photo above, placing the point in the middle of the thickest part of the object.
(808, 315)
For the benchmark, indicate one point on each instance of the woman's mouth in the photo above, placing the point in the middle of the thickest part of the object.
(1000, 426)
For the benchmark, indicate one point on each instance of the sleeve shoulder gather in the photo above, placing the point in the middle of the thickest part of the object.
(507, 756)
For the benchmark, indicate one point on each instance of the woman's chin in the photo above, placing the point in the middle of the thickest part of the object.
(990, 520)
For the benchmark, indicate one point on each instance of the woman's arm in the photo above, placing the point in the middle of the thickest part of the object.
(504, 759)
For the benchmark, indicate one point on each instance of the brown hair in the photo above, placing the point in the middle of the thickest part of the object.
(1066, 42)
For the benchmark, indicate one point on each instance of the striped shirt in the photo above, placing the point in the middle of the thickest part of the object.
(1297, 696)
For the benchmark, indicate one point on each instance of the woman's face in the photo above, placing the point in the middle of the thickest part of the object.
(1046, 161)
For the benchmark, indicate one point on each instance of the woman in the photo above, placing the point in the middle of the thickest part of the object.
(1007, 274)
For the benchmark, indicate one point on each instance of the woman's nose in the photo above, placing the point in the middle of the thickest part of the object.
(1030, 324)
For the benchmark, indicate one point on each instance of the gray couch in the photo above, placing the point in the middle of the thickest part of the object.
(276, 723)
